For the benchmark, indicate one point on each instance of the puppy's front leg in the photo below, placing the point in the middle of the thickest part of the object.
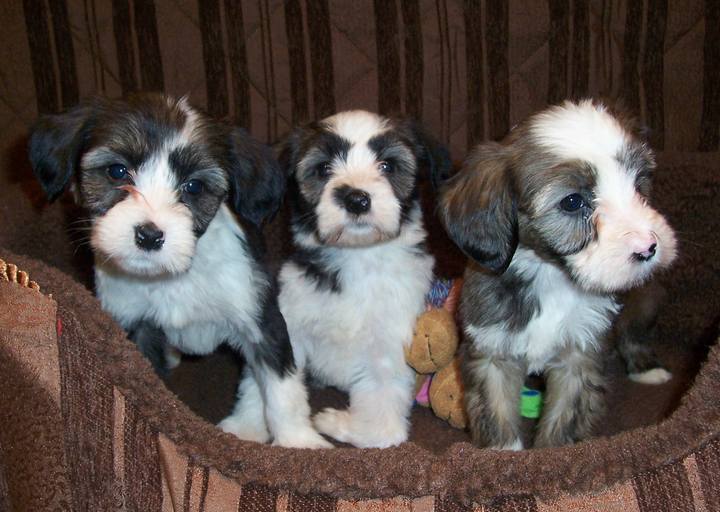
(273, 400)
(380, 403)
(493, 385)
(288, 413)
(151, 341)
(273, 405)
(574, 398)
(247, 420)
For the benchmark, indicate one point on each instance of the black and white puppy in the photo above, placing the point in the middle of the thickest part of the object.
(175, 202)
(353, 288)
(557, 220)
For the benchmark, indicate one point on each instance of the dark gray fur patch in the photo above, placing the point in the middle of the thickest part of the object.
(275, 352)
(192, 161)
(318, 146)
(487, 428)
(392, 147)
(506, 300)
(151, 341)
(551, 231)
(312, 262)
(637, 160)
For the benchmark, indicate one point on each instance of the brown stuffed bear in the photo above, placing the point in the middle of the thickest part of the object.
(433, 355)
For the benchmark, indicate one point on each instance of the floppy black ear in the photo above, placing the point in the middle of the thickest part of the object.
(257, 184)
(478, 209)
(56, 144)
(432, 154)
(288, 148)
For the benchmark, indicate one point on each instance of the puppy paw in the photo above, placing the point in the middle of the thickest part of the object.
(341, 425)
(515, 446)
(654, 376)
(173, 357)
(244, 429)
(333, 423)
(302, 438)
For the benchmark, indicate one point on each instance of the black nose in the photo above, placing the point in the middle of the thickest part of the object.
(357, 202)
(148, 237)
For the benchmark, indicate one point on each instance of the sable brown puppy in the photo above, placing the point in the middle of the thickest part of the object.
(557, 221)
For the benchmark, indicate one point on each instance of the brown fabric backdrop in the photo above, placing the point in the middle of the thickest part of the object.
(469, 69)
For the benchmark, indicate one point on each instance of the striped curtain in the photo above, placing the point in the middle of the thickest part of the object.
(469, 69)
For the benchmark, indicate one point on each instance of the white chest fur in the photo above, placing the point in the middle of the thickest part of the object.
(567, 315)
(214, 301)
(363, 327)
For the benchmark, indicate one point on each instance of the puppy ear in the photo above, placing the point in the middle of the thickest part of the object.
(56, 144)
(288, 150)
(257, 184)
(431, 154)
(478, 208)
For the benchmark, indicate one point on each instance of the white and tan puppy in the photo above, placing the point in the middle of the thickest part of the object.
(353, 288)
(557, 222)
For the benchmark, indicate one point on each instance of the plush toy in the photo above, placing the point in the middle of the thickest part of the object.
(433, 354)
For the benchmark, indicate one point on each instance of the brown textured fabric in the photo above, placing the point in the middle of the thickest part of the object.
(470, 70)
(388, 58)
(320, 48)
(474, 72)
(709, 131)
(670, 490)
(87, 401)
(497, 37)
(34, 467)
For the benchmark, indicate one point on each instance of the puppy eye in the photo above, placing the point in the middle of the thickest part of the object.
(193, 187)
(117, 171)
(572, 203)
(324, 169)
(386, 166)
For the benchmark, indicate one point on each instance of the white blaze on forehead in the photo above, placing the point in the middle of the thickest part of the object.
(588, 133)
(624, 222)
(361, 163)
(156, 181)
(155, 175)
(583, 131)
(357, 126)
(187, 134)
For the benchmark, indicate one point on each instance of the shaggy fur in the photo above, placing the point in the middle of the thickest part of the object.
(557, 220)
(175, 202)
(632, 332)
(353, 288)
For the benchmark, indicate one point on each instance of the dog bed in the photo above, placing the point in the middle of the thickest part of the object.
(87, 425)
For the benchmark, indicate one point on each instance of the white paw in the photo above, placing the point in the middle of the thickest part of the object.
(302, 438)
(341, 425)
(246, 430)
(173, 357)
(515, 446)
(654, 376)
(333, 423)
